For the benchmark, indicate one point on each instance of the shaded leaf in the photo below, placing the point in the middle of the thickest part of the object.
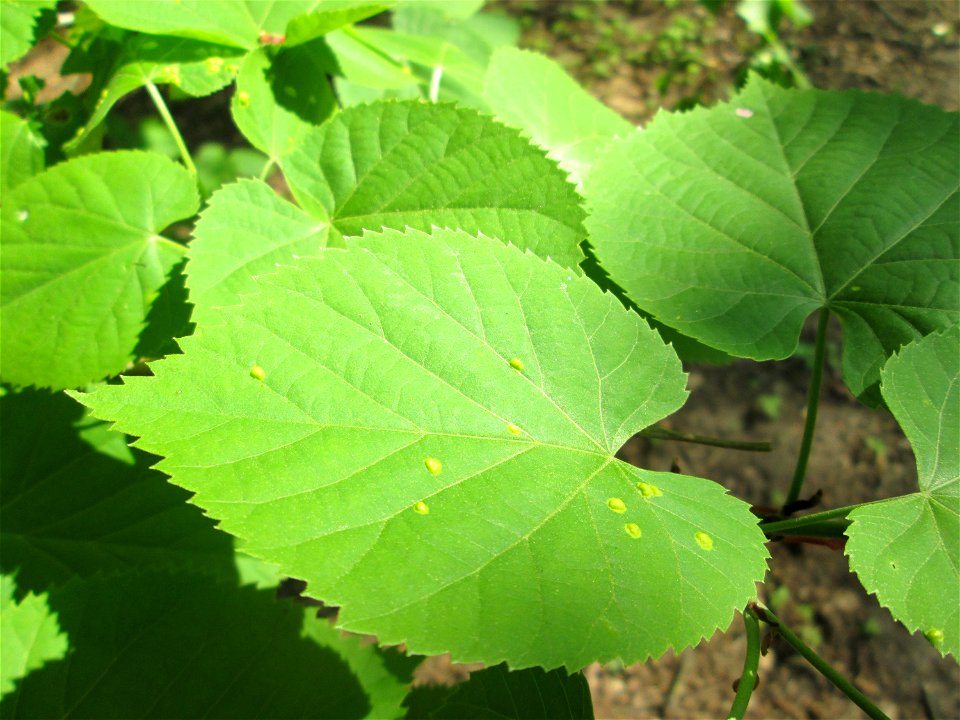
(907, 549)
(21, 151)
(436, 417)
(82, 263)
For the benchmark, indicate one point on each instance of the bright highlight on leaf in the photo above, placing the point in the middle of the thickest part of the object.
(318, 474)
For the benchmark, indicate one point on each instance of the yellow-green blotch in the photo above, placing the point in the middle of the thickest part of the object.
(421, 508)
(433, 465)
(703, 540)
(633, 530)
(516, 363)
(257, 372)
(617, 505)
(648, 490)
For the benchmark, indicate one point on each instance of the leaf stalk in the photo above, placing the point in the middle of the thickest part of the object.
(749, 677)
(171, 126)
(660, 433)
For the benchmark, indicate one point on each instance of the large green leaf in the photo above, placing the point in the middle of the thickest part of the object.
(246, 230)
(17, 21)
(81, 263)
(21, 151)
(424, 428)
(239, 23)
(533, 93)
(733, 224)
(399, 164)
(179, 646)
(907, 550)
(77, 501)
(31, 636)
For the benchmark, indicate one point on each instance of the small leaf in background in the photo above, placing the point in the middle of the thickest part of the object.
(82, 263)
(437, 416)
(907, 549)
(17, 21)
(533, 93)
(31, 636)
(419, 165)
(734, 224)
(77, 501)
(217, 166)
(21, 151)
(183, 646)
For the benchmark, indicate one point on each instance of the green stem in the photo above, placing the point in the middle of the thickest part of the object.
(267, 168)
(171, 126)
(660, 433)
(748, 678)
(800, 523)
(800, 78)
(813, 402)
(821, 665)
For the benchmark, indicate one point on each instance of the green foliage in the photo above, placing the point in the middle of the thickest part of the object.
(404, 382)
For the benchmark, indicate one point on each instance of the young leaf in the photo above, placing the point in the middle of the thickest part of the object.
(733, 224)
(533, 93)
(81, 263)
(17, 21)
(399, 164)
(21, 151)
(435, 418)
(179, 646)
(77, 501)
(246, 230)
(907, 549)
(31, 636)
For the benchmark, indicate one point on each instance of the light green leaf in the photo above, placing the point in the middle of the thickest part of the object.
(31, 636)
(734, 224)
(907, 550)
(246, 230)
(21, 151)
(331, 15)
(77, 501)
(179, 646)
(17, 21)
(398, 164)
(81, 263)
(533, 93)
(197, 68)
(363, 64)
(423, 428)
(261, 105)
(239, 23)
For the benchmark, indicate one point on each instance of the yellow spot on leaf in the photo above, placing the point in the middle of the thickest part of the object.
(648, 490)
(633, 530)
(243, 97)
(703, 540)
(433, 465)
(617, 505)
(257, 372)
(513, 429)
(516, 364)
(421, 508)
(934, 636)
(213, 65)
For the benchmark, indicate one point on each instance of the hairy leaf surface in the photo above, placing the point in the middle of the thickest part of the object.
(424, 428)
(733, 224)
(419, 165)
(81, 264)
(907, 549)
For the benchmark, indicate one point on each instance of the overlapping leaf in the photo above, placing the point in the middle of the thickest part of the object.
(17, 21)
(21, 151)
(907, 550)
(82, 262)
(424, 428)
(399, 164)
(734, 224)
(31, 636)
(157, 645)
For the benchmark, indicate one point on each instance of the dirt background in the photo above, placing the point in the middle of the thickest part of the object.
(620, 52)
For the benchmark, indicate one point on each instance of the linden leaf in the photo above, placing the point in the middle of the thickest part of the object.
(423, 428)
(31, 636)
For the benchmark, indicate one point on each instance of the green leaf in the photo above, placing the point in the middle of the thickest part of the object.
(81, 263)
(179, 646)
(522, 694)
(330, 16)
(907, 549)
(423, 428)
(21, 151)
(263, 114)
(77, 501)
(31, 636)
(17, 21)
(363, 64)
(239, 23)
(734, 224)
(246, 230)
(533, 93)
(398, 164)
(196, 68)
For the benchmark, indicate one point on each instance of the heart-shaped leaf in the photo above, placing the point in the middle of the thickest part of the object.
(733, 224)
(424, 428)
(907, 550)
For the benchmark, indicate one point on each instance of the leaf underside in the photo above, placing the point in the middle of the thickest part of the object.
(436, 417)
